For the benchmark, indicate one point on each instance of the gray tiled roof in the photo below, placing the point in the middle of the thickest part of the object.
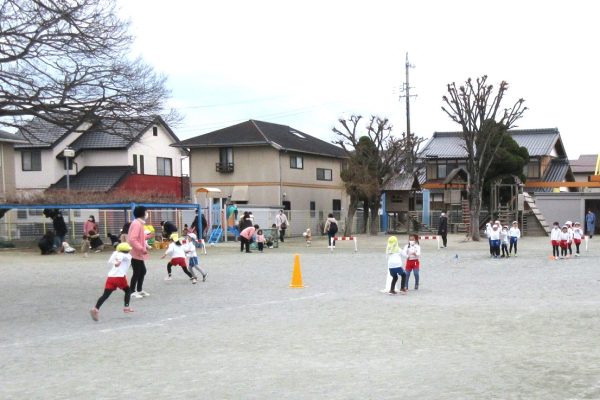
(538, 142)
(257, 133)
(586, 163)
(45, 135)
(7, 137)
(41, 134)
(557, 171)
(100, 179)
(406, 182)
(97, 138)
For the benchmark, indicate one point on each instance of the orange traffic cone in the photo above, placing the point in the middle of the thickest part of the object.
(297, 274)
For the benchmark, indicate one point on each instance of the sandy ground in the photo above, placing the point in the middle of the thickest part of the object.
(518, 328)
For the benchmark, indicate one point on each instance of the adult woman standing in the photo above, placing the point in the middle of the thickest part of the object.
(331, 228)
(139, 252)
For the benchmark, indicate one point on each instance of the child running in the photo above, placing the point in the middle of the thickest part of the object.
(564, 241)
(515, 233)
(577, 235)
(394, 262)
(177, 253)
(119, 261)
(192, 255)
(412, 252)
(555, 240)
(504, 240)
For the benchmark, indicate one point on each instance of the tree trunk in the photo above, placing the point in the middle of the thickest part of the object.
(350, 217)
(374, 223)
(475, 210)
(366, 213)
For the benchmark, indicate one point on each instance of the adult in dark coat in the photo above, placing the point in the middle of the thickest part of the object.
(168, 228)
(46, 243)
(199, 230)
(60, 230)
(443, 228)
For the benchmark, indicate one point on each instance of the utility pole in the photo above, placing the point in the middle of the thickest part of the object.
(406, 94)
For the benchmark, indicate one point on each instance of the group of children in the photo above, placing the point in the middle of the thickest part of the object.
(411, 252)
(181, 252)
(502, 238)
(563, 239)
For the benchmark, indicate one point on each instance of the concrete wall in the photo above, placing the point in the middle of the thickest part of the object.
(564, 206)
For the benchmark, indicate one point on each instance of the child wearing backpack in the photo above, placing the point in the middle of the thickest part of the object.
(330, 229)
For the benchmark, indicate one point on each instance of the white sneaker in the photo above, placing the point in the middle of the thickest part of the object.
(136, 295)
(144, 293)
(168, 278)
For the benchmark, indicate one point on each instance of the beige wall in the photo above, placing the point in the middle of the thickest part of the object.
(7, 171)
(267, 173)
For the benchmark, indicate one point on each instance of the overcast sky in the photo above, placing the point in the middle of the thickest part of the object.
(307, 63)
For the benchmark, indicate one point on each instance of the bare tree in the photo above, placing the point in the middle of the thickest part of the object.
(376, 157)
(482, 121)
(67, 62)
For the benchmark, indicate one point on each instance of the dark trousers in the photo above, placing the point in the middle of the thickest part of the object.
(261, 246)
(244, 244)
(394, 272)
(185, 269)
(139, 272)
(108, 292)
(282, 235)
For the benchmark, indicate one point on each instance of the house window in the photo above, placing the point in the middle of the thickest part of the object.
(141, 164)
(296, 162)
(532, 169)
(135, 164)
(155, 131)
(31, 160)
(225, 163)
(287, 205)
(313, 208)
(22, 214)
(439, 169)
(323, 174)
(164, 166)
(337, 208)
(442, 171)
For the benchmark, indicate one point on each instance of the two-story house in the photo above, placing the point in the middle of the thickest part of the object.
(8, 187)
(266, 164)
(445, 160)
(138, 159)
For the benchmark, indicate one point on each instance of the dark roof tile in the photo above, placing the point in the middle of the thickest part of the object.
(100, 179)
(257, 133)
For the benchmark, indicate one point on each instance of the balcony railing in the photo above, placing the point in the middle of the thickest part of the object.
(225, 167)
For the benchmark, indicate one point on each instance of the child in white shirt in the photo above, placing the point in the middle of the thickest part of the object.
(119, 261)
(515, 233)
(504, 240)
(555, 240)
(394, 262)
(412, 252)
(577, 235)
(192, 255)
(176, 252)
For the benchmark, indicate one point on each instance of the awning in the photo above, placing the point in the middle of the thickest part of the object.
(239, 193)
(208, 190)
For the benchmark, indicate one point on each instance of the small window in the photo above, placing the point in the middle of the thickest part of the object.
(313, 208)
(296, 162)
(164, 166)
(31, 160)
(22, 214)
(323, 174)
(135, 163)
(76, 213)
(442, 171)
(142, 164)
(155, 131)
(532, 169)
